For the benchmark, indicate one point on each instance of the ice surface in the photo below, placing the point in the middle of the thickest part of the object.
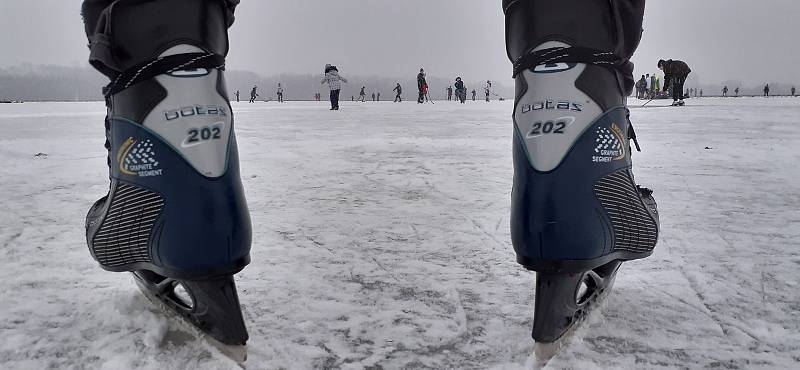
(381, 238)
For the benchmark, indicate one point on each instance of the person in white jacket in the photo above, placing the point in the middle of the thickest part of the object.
(334, 82)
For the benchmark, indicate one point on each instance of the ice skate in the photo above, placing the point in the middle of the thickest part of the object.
(175, 214)
(576, 211)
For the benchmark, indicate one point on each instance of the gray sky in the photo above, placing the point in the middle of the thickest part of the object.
(755, 41)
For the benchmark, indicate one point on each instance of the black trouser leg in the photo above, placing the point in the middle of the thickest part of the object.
(336, 98)
(613, 25)
(117, 45)
(677, 87)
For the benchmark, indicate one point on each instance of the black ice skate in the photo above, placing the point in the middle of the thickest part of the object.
(576, 211)
(175, 214)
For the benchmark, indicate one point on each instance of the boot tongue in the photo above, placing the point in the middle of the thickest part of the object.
(185, 49)
(551, 44)
(181, 49)
(552, 67)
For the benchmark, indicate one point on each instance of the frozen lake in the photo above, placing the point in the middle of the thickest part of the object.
(381, 240)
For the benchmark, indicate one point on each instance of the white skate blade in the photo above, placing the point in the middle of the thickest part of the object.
(185, 332)
(543, 352)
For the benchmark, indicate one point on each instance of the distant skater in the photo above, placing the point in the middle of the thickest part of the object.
(675, 73)
(420, 83)
(373, 96)
(473, 94)
(449, 91)
(641, 86)
(725, 91)
(280, 93)
(237, 96)
(379, 96)
(793, 91)
(488, 89)
(461, 91)
(766, 91)
(652, 87)
(657, 91)
(334, 82)
(253, 94)
(399, 90)
(362, 96)
(736, 91)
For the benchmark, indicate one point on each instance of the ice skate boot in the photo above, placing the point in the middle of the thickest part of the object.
(175, 214)
(576, 211)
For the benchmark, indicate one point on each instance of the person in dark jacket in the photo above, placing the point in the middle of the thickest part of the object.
(641, 85)
(675, 73)
(766, 90)
(736, 91)
(793, 91)
(253, 94)
(474, 93)
(420, 84)
(399, 90)
(725, 91)
(461, 91)
(237, 96)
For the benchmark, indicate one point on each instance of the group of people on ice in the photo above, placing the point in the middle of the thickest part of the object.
(648, 87)
(334, 81)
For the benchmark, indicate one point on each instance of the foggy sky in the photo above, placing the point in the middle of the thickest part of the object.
(752, 41)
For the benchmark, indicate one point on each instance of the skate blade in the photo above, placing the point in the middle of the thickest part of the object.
(236, 353)
(543, 352)
(587, 305)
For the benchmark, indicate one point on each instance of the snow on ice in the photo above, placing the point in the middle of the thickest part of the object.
(381, 240)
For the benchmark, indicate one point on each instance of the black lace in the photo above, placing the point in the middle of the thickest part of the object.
(162, 65)
(571, 54)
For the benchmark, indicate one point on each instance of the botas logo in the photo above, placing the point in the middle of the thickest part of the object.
(554, 67)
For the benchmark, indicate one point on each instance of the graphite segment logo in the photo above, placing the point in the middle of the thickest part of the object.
(138, 158)
(610, 144)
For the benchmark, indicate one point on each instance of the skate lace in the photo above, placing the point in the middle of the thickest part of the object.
(161, 65)
(570, 54)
